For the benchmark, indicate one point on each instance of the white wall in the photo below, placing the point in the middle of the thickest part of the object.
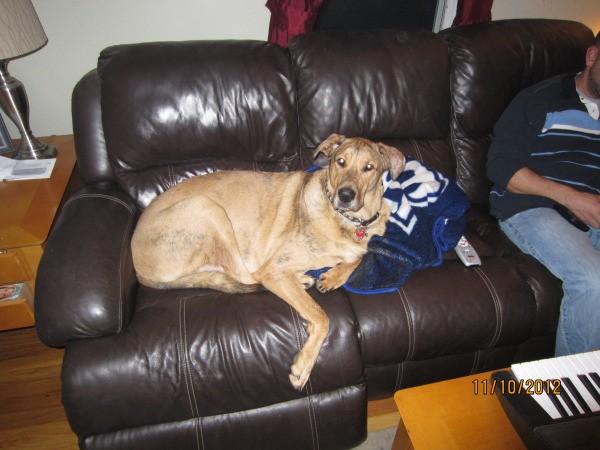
(78, 29)
(584, 11)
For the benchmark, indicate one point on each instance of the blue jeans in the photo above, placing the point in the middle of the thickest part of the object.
(573, 256)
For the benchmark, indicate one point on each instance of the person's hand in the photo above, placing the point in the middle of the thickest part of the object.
(586, 207)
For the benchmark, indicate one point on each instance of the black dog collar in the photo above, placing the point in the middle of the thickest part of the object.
(359, 223)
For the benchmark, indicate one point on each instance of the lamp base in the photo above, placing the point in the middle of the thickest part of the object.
(33, 148)
(14, 103)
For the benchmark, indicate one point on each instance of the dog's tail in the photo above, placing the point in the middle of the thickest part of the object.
(224, 283)
(211, 280)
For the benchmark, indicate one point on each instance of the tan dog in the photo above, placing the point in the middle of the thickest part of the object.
(234, 231)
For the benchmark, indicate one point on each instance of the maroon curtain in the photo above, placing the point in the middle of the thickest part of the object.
(290, 18)
(473, 11)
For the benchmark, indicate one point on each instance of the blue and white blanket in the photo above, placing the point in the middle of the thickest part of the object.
(427, 218)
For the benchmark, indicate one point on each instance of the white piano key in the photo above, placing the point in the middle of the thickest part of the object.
(545, 374)
(580, 368)
(555, 367)
(591, 360)
(591, 367)
(594, 357)
(570, 370)
(527, 371)
(576, 368)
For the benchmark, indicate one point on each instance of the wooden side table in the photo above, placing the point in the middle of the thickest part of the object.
(27, 211)
(462, 413)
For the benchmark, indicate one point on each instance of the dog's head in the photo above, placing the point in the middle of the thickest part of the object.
(355, 169)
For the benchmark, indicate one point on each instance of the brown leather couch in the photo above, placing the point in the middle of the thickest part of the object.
(201, 369)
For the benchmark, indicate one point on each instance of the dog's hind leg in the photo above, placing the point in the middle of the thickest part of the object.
(286, 286)
(306, 281)
(198, 248)
(222, 251)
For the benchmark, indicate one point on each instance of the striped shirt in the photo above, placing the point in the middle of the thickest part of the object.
(548, 129)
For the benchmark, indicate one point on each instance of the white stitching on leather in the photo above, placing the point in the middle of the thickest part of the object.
(399, 376)
(314, 430)
(409, 322)
(310, 406)
(187, 374)
(106, 197)
(496, 300)
(183, 353)
(124, 244)
(475, 361)
(417, 149)
(296, 328)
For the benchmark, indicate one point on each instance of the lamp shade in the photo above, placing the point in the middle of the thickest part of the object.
(21, 32)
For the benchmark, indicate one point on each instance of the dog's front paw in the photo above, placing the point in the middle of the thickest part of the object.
(296, 382)
(336, 276)
(328, 282)
(300, 370)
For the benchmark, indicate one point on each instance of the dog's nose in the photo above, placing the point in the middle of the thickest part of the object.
(346, 195)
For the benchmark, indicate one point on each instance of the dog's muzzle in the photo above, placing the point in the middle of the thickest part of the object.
(347, 199)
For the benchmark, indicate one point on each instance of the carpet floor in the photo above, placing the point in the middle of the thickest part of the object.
(379, 440)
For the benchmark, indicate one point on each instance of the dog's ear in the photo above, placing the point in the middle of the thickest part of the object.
(394, 159)
(329, 145)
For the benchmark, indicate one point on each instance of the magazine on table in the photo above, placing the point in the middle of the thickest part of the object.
(13, 291)
(27, 169)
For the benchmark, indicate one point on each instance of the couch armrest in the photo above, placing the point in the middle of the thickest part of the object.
(86, 282)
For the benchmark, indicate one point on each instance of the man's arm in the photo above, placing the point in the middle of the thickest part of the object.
(584, 205)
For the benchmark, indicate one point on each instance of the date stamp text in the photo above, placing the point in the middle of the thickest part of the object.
(512, 387)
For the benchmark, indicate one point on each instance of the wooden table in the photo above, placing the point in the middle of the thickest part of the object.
(27, 211)
(455, 414)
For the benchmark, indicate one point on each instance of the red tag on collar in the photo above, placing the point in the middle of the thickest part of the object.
(360, 233)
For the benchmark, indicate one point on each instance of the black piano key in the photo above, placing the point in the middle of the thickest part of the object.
(585, 380)
(555, 401)
(577, 396)
(594, 376)
(564, 394)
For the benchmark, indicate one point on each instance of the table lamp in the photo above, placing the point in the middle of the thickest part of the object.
(21, 33)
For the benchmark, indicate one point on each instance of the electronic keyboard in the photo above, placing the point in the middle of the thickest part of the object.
(553, 403)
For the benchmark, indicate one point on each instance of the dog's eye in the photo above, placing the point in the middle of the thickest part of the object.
(369, 167)
(341, 162)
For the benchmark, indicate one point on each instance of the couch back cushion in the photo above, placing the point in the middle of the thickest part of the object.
(490, 64)
(386, 85)
(172, 110)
